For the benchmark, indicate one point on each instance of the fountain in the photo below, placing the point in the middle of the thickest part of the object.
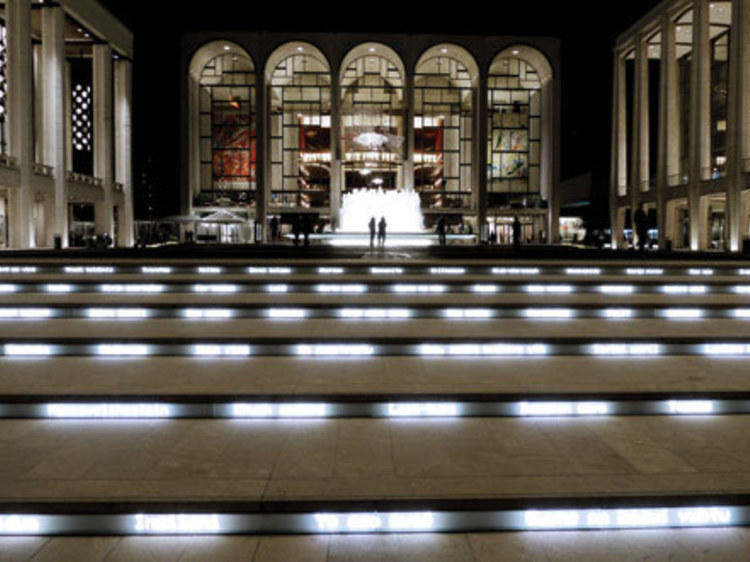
(401, 209)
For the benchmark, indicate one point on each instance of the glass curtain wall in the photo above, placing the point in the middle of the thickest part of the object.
(372, 121)
(443, 116)
(514, 134)
(227, 131)
(300, 133)
(720, 25)
(684, 55)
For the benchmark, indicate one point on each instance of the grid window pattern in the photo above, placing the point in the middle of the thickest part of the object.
(3, 90)
(720, 26)
(684, 54)
(227, 132)
(514, 132)
(300, 133)
(82, 115)
(443, 115)
(372, 120)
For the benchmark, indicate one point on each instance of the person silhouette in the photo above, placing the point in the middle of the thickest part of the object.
(382, 225)
(372, 232)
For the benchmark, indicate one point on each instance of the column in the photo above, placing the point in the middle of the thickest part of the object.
(409, 132)
(53, 110)
(640, 133)
(669, 125)
(550, 173)
(262, 154)
(193, 146)
(480, 143)
(103, 129)
(21, 121)
(335, 139)
(619, 170)
(700, 100)
(124, 146)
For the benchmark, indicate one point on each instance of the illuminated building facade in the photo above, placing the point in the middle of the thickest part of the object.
(65, 124)
(681, 125)
(286, 124)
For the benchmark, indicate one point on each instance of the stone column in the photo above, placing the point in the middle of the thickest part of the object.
(480, 142)
(53, 110)
(550, 172)
(335, 139)
(700, 122)
(21, 121)
(619, 169)
(409, 132)
(262, 154)
(669, 127)
(640, 130)
(103, 137)
(124, 146)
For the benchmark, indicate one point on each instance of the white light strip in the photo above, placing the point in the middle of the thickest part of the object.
(743, 272)
(485, 289)
(58, 288)
(286, 313)
(210, 270)
(122, 350)
(119, 313)
(498, 349)
(422, 410)
(341, 289)
(387, 270)
(419, 289)
(447, 270)
(208, 313)
(726, 349)
(371, 522)
(300, 410)
(330, 270)
(150, 288)
(703, 271)
(277, 288)
(215, 289)
(683, 313)
(618, 313)
(583, 271)
(549, 289)
(108, 411)
(742, 290)
(8, 288)
(15, 269)
(269, 270)
(95, 270)
(516, 271)
(644, 271)
(741, 313)
(542, 409)
(468, 313)
(690, 407)
(548, 313)
(375, 313)
(684, 289)
(27, 350)
(182, 523)
(622, 349)
(214, 350)
(334, 349)
(616, 289)
(24, 313)
(155, 270)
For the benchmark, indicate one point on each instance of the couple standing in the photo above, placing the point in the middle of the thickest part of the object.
(381, 226)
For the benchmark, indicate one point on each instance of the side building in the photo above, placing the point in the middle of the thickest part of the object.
(285, 125)
(65, 124)
(681, 125)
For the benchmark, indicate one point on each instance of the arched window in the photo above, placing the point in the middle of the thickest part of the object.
(300, 133)
(515, 128)
(443, 127)
(226, 126)
(372, 118)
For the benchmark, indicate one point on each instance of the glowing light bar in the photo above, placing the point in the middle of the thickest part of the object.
(208, 313)
(447, 270)
(335, 349)
(132, 288)
(341, 289)
(416, 289)
(485, 289)
(499, 349)
(516, 271)
(330, 270)
(617, 289)
(108, 411)
(122, 350)
(375, 313)
(684, 289)
(286, 313)
(300, 410)
(119, 313)
(683, 313)
(58, 288)
(183, 523)
(215, 289)
(24, 313)
(541, 409)
(548, 313)
(89, 269)
(269, 270)
(583, 271)
(155, 270)
(27, 350)
(741, 313)
(7, 288)
(703, 271)
(210, 270)
(18, 269)
(626, 349)
(743, 272)
(644, 271)
(279, 288)
(387, 270)
(213, 350)
(688, 407)
(726, 349)
(742, 290)
(19, 525)
(468, 313)
(618, 313)
(549, 289)
(422, 410)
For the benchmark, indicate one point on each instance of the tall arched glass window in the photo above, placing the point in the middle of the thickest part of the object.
(300, 134)
(514, 133)
(372, 120)
(227, 136)
(443, 130)
(720, 17)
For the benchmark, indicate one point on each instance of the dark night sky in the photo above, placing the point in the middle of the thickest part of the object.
(587, 31)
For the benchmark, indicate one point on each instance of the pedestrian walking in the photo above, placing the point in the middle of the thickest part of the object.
(382, 225)
(372, 226)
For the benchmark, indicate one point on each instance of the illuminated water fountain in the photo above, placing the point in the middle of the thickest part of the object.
(401, 209)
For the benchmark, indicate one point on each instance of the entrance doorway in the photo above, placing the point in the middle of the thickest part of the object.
(501, 229)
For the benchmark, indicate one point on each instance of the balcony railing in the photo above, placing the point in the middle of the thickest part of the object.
(445, 199)
(43, 170)
(8, 161)
(83, 178)
(677, 179)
